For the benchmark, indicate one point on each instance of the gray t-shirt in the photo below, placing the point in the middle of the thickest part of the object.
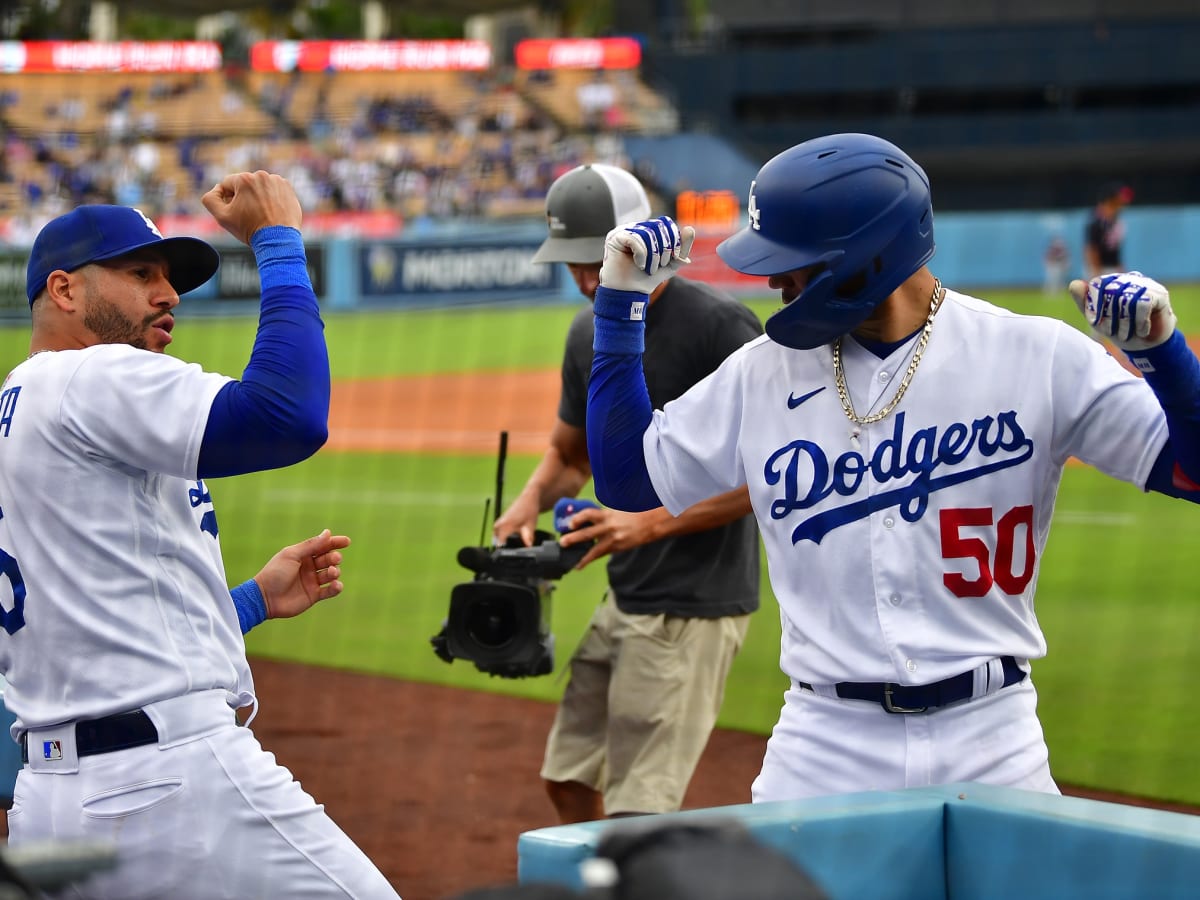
(690, 329)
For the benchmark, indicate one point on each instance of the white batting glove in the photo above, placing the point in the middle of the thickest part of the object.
(639, 257)
(1126, 308)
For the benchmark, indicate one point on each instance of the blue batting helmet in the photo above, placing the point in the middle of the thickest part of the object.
(853, 204)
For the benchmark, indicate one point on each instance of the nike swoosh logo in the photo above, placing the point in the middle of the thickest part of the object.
(794, 401)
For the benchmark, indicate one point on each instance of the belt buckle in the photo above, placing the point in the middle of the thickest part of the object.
(891, 707)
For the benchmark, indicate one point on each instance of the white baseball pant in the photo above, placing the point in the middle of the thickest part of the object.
(205, 814)
(828, 745)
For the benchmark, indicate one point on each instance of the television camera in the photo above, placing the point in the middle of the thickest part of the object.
(500, 620)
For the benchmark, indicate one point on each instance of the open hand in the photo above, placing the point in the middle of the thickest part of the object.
(302, 574)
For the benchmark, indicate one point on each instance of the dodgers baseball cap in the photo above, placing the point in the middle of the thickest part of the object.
(97, 231)
(583, 206)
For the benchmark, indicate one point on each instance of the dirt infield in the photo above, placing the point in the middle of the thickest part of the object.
(435, 783)
(459, 413)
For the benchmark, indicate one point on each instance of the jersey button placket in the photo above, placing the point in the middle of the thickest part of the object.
(876, 388)
(888, 556)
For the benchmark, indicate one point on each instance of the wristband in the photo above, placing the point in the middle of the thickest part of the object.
(624, 306)
(279, 253)
(249, 603)
(1171, 370)
(620, 321)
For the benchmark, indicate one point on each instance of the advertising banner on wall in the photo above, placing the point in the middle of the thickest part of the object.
(375, 223)
(361, 56)
(13, 302)
(109, 56)
(237, 279)
(578, 53)
(465, 272)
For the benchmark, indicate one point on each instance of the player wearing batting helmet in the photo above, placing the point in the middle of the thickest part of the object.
(902, 443)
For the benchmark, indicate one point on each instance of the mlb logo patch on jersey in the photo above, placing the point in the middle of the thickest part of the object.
(52, 750)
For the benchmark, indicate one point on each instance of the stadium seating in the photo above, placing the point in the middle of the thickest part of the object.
(425, 143)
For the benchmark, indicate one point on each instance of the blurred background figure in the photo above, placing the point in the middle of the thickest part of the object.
(1105, 232)
(1055, 262)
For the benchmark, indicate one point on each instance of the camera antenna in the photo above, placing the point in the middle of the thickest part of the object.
(483, 528)
(500, 462)
(503, 458)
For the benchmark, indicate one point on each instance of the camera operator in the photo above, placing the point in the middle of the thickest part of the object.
(647, 680)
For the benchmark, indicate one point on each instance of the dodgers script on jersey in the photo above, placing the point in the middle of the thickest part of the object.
(124, 480)
(935, 516)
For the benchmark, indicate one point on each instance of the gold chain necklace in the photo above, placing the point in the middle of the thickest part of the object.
(839, 375)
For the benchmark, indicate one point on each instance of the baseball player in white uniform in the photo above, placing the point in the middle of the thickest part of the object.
(903, 445)
(122, 643)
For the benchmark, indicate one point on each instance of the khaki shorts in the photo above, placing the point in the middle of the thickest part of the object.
(643, 697)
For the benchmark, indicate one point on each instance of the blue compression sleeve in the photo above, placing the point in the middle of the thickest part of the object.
(278, 414)
(618, 408)
(1173, 373)
(250, 605)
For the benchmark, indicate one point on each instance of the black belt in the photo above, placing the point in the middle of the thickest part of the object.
(93, 736)
(919, 698)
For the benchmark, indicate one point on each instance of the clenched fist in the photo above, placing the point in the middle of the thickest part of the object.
(1127, 308)
(641, 256)
(245, 202)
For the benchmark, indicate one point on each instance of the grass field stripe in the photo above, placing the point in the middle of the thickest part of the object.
(432, 439)
(1088, 517)
(388, 498)
(388, 435)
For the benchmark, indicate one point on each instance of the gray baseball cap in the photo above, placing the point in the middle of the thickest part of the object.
(583, 206)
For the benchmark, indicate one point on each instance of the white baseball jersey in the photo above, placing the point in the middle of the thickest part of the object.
(907, 550)
(114, 593)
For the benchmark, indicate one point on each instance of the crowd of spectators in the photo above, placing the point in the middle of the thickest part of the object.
(489, 153)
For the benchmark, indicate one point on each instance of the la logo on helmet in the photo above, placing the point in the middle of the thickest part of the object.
(752, 208)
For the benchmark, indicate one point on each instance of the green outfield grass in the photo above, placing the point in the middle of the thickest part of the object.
(1117, 598)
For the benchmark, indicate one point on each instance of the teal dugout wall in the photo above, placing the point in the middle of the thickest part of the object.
(10, 751)
(956, 842)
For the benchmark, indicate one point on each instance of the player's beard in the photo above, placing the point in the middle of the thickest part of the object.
(107, 322)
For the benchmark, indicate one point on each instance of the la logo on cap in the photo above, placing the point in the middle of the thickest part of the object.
(149, 224)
